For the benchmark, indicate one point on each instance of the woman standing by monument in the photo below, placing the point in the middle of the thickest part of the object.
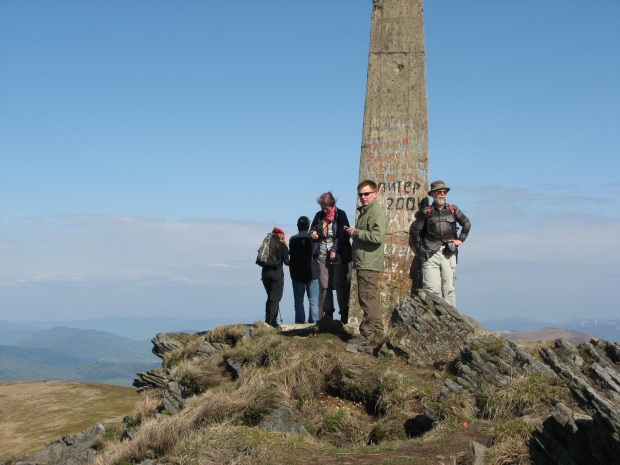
(329, 229)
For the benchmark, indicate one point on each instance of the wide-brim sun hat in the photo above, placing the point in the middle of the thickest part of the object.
(437, 185)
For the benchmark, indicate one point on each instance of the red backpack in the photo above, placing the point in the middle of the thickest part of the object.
(429, 210)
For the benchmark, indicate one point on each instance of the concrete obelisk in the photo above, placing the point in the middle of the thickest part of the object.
(395, 135)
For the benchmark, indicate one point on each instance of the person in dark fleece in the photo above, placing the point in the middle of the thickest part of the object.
(273, 276)
(304, 268)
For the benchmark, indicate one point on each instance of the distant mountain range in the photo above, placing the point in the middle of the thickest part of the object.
(136, 328)
(605, 328)
(71, 354)
(547, 334)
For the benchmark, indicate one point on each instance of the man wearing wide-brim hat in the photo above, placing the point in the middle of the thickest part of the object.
(435, 239)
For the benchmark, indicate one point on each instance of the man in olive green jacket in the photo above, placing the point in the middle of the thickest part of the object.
(368, 257)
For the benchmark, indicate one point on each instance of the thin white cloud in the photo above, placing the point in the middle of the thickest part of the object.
(523, 248)
(125, 248)
(541, 253)
(91, 265)
(222, 265)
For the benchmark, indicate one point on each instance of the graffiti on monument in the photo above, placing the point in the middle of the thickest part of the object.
(392, 164)
(400, 167)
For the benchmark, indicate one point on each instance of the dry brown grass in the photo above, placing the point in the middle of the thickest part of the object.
(533, 393)
(230, 335)
(343, 399)
(400, 392)
(34, 412)
(146, 408)
(198, 375)
(154, 438)
(347, 402)
(190, 345)
(239, 445)
(458, 408)
(511, 440)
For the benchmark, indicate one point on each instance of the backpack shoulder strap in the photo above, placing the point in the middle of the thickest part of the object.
(429, 210)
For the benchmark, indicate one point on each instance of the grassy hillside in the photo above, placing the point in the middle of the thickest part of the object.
(34, 412)
(357, 407)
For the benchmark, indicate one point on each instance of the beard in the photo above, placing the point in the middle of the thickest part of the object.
(440, 202)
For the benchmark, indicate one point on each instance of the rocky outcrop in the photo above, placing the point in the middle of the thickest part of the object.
(72, 449)
(592, 374)
(164, 343)
(283, 420)
(486, 364)
(208, 349)
(175, 397)
(425, 329)
(152, 379)
(490, 362)
(479, 452)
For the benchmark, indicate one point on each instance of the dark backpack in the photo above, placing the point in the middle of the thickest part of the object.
(267, 252)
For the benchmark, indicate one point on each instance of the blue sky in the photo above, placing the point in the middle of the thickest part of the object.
(146, 147)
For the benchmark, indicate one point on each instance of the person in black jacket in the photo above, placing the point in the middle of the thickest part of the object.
(273, 276)
(304, 268)
(329, 229)
(434, 238)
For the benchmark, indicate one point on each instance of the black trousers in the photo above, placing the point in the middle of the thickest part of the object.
(273, 281)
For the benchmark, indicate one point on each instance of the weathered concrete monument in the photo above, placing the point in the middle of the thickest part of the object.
(395, 135)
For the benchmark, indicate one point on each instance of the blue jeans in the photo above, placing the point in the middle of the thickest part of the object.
(312, 289)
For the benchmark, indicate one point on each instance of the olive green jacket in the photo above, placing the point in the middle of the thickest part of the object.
(369, 238)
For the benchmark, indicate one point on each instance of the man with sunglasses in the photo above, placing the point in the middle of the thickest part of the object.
(368, 257)
(434, 238)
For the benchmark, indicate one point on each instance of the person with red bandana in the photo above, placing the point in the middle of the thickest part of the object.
(334, 254)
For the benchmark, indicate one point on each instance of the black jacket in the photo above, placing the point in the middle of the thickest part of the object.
(428, 233)
(302, 251)
(342, 241)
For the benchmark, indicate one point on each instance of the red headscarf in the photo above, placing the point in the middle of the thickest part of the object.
(331, 215)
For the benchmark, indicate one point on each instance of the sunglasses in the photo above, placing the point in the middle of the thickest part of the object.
(365, 194)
